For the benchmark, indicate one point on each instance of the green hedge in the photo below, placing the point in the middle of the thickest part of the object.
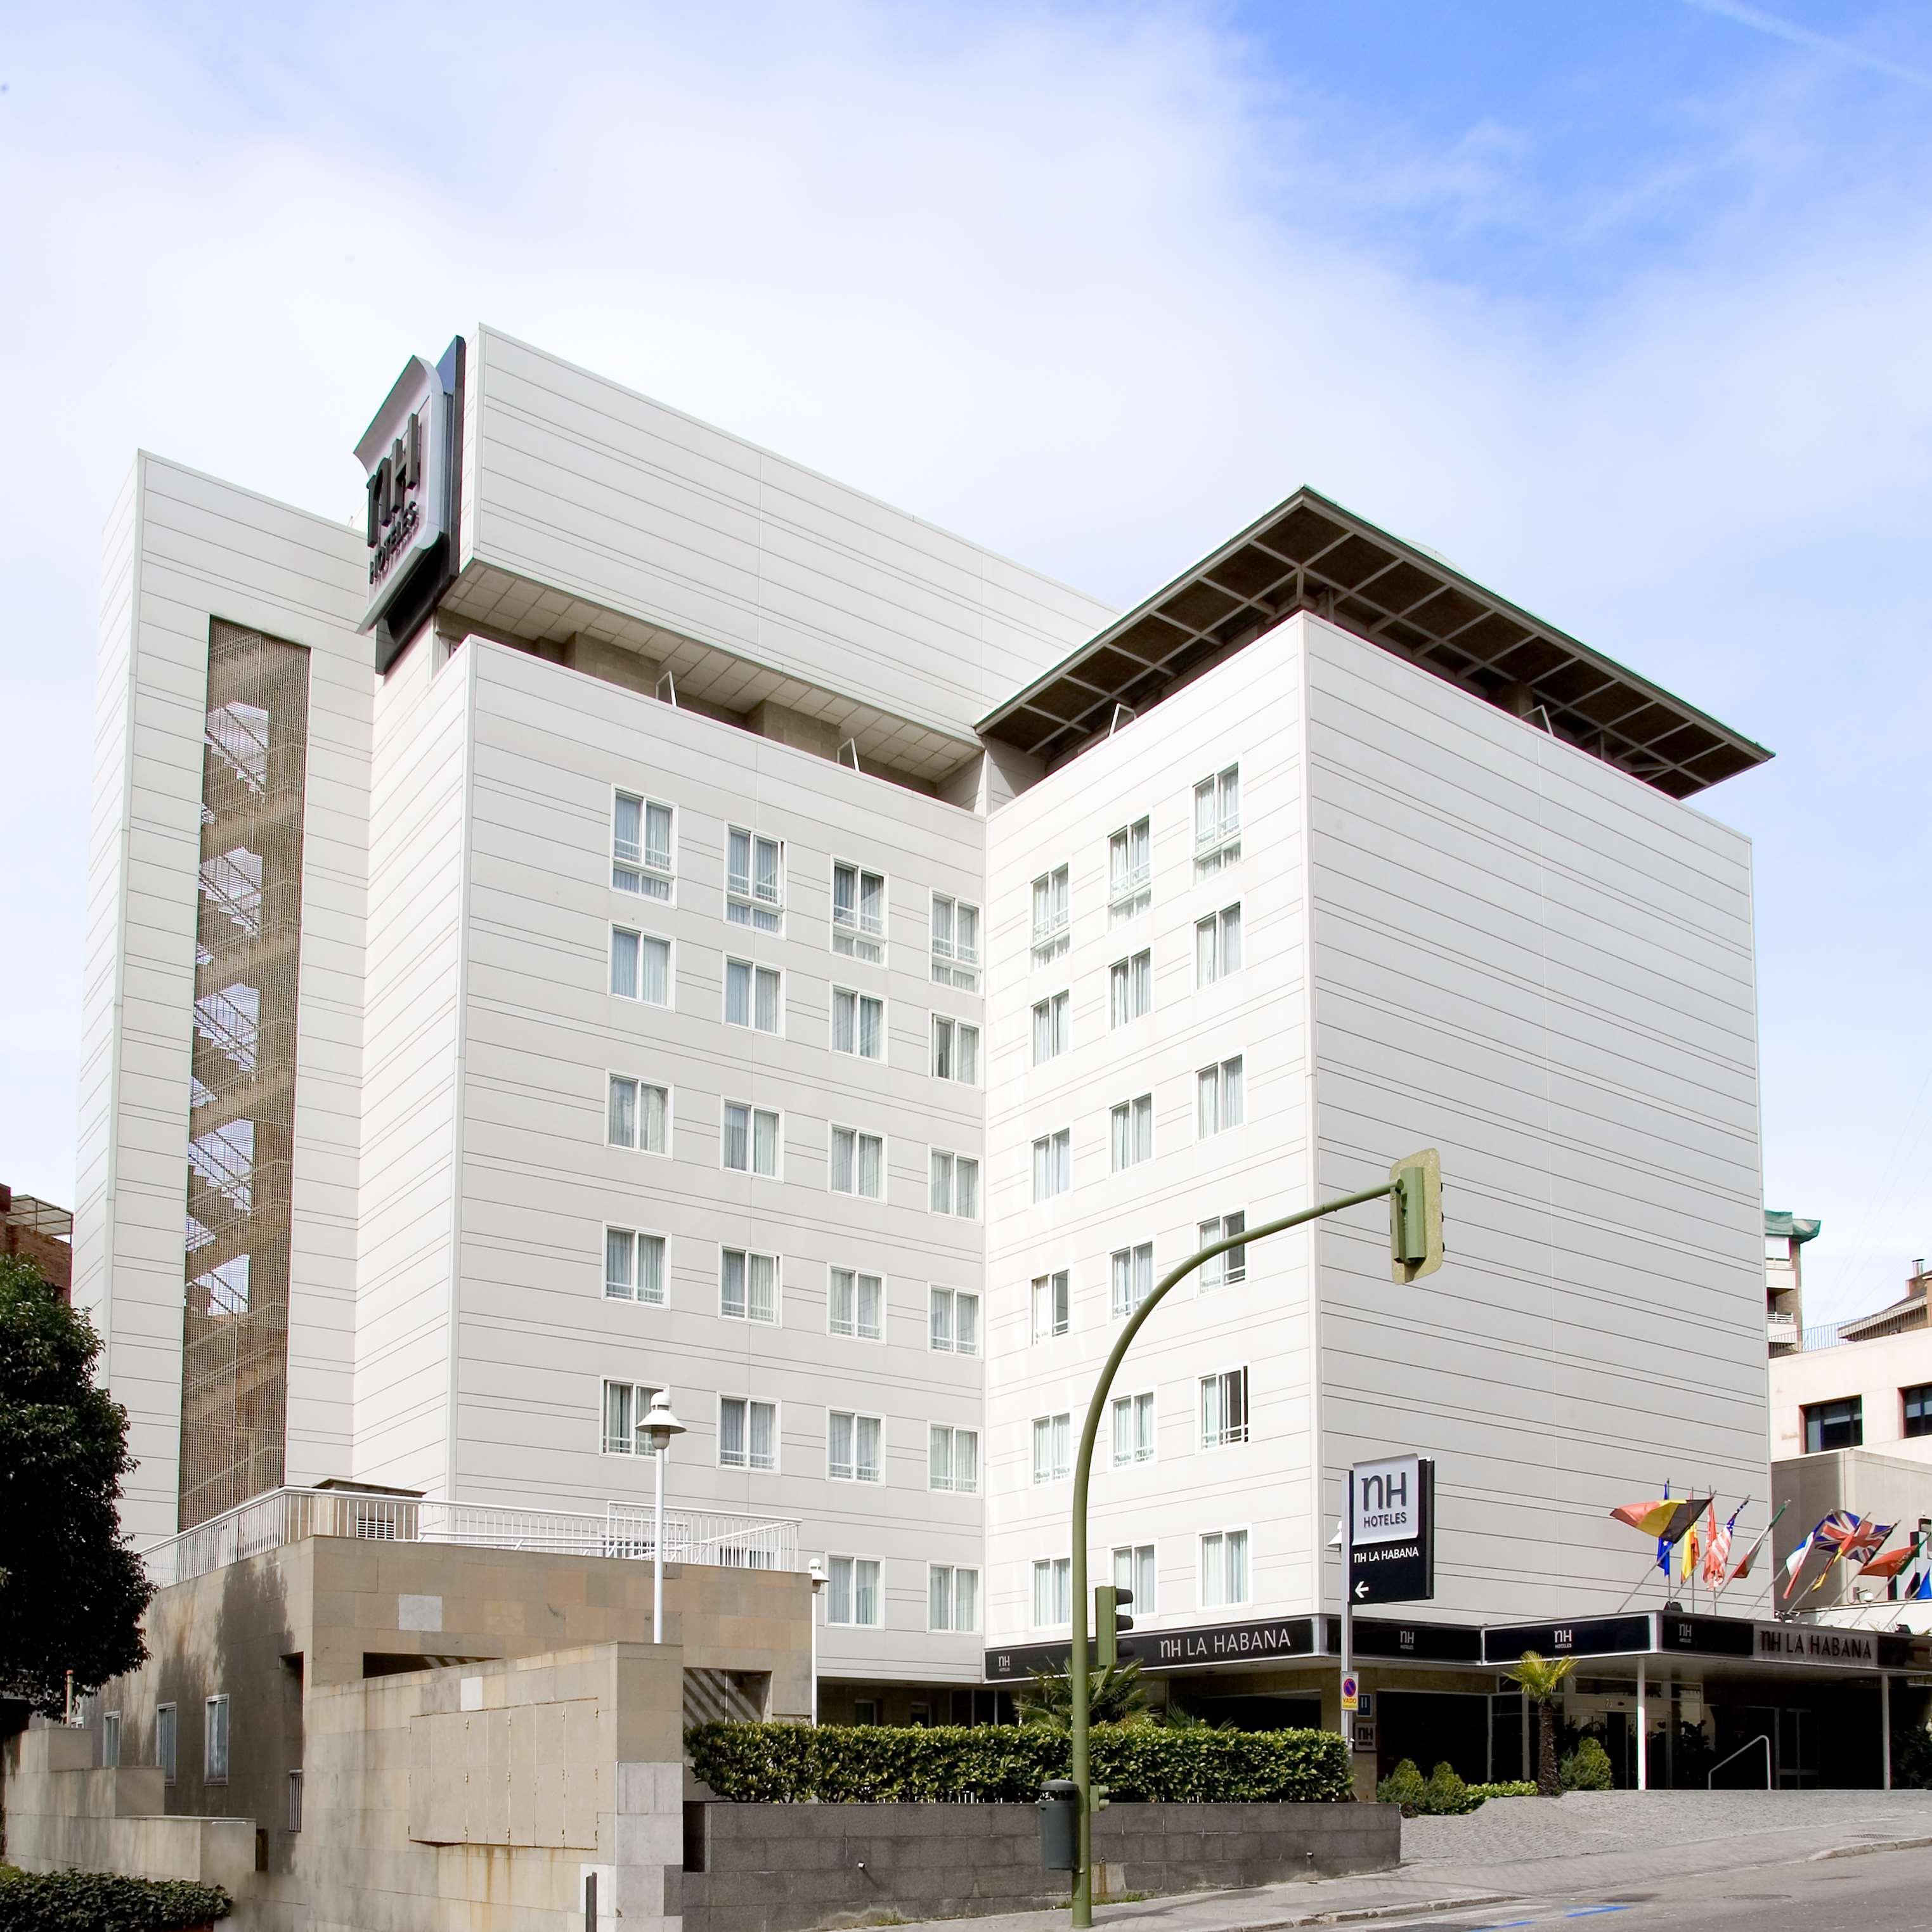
(74, 1901)
(876, 1764)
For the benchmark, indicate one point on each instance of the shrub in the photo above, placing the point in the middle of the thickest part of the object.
(876, 1764)
(1519, 1787)
(73, 1901)
(1446, 1796)
(1587, 1768)
(1405, 1786)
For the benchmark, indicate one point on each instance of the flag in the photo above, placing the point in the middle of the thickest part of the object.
(1648, 1518)
(1893, 1561)
(1665, 1520)
(1864, 1540)
(1795, 1562)
(1717, 1550)
(1688, 1545)
(1763, 1536)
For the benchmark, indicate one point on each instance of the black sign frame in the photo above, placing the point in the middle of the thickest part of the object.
(1396, 1572)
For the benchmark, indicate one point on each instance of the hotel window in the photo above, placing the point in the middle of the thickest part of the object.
(951, 1598)
(755, 881)
(1132, 1132)
(1052, 1164)
(857, 1305)
(214, 1735)
(1129, 870)
(858, 1163)
(751, 996)
(852, 1596)
(750, 1139)
(1132, 1271)
(852, 1447)
(1217, 945)
(1217, 821)
(1052, 1447)
(955, 1185)
(1917, 1405)
(639, 1115)
(1230, 1266)
(634, 1266)
(110, 1740)
(955, 944)
(954, 1326)
(1049, 1027)
(1219, 1102)
(1133, 1428)
(1133, 1570)
(164, 1741)
(748, 1433)
(865, 1710)
(1224, 1408)
(952, 1459)
(640, 846)
(1834, 1425)
(1051, 1310)
(858, 1023)
(625, 1406)
(747, 1286)
(858, 912)
(1129, 988)
(1051, 915)
(640, 966)
(1224, 1568)
(955, 1051)
(1052, 1591)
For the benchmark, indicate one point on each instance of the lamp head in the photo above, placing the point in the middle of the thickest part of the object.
(815, 1570)
(660, 1425)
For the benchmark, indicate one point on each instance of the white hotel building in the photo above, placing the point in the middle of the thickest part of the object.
(716, 932)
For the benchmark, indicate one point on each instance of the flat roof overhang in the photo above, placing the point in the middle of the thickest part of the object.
(1308, 554)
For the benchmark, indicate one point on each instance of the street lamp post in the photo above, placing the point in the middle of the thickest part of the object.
(816, 1570)
(659, 1426)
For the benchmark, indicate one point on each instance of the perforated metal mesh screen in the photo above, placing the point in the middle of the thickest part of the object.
(248, 932)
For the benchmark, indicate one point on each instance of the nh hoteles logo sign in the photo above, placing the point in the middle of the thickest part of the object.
(407, 454)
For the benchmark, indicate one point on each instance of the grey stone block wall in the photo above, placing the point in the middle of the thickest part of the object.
(799, 1868)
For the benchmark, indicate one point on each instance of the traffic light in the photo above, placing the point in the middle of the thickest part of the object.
(1415, 1215)
(1109, 1600)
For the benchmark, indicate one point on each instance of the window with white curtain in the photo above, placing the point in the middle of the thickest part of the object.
(750, 1139)
(748, 1433)
(1224, 1568)
(858, 1023)
(852, 1594)
(1217, 821)
(952, 1597)
(1052, 915)
(952, 1459)
(1134, 1569)
(858, 912)
(1132, 1123)
(1217, 945)
(748, 1285)
(639, 1115)
(755, 880)
(1219, 1102)
(1052, 1305)
(1052, 1447)
(1231, 1265)
(214, 1761)
(858, 1163)
(1132, 1270)
(634, 1266)
(640, 846)
(1129, 987)
(1224, 1408)
(1052, 1164)
(164, 1741)
(751, 996)
(955, 944)
(1130, 871)
(955, 1184)
(857, 1306)
(1133, 1428)
(953, 1327)
(110, 1739)
(1052, 1591)
(852, 1447)
(1050, 1027)
(640, 966)
(955, 1050)
(625, 1406)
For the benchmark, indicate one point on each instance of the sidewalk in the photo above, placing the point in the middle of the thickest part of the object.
(1589, 1845)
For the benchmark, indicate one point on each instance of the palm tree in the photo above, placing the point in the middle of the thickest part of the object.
(1114, 1695)
(1540, 1678)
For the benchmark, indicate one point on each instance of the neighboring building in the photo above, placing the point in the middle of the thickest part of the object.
(1865, 1384)
(723, 935)
(1785, 1235)
(39, 1232)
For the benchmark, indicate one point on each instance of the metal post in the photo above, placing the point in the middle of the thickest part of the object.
(1885, 1723)
(657, 1557)
(815, 1652)
(1348, 1606)
(1076, 1657)
(1642, 1757)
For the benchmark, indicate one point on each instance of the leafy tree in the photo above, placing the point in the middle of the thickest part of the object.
(1447, 1795)
(71, 1589)
(1114, 1695)
(1587, 1768)
(1540, 1678)
(1405, 1786)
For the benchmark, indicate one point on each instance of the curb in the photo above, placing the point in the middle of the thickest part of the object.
(1359, 1915)
(1880, 1845)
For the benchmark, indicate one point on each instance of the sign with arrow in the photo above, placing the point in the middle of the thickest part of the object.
(1392, 1530)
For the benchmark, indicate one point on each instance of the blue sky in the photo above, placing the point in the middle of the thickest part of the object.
(1622, 306)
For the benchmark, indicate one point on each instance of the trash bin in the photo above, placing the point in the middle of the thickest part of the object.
(1059, 1804)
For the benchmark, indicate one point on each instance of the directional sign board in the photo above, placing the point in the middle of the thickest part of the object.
(1392, 1530)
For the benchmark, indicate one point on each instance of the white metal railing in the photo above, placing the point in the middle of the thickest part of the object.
(267, 1522)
